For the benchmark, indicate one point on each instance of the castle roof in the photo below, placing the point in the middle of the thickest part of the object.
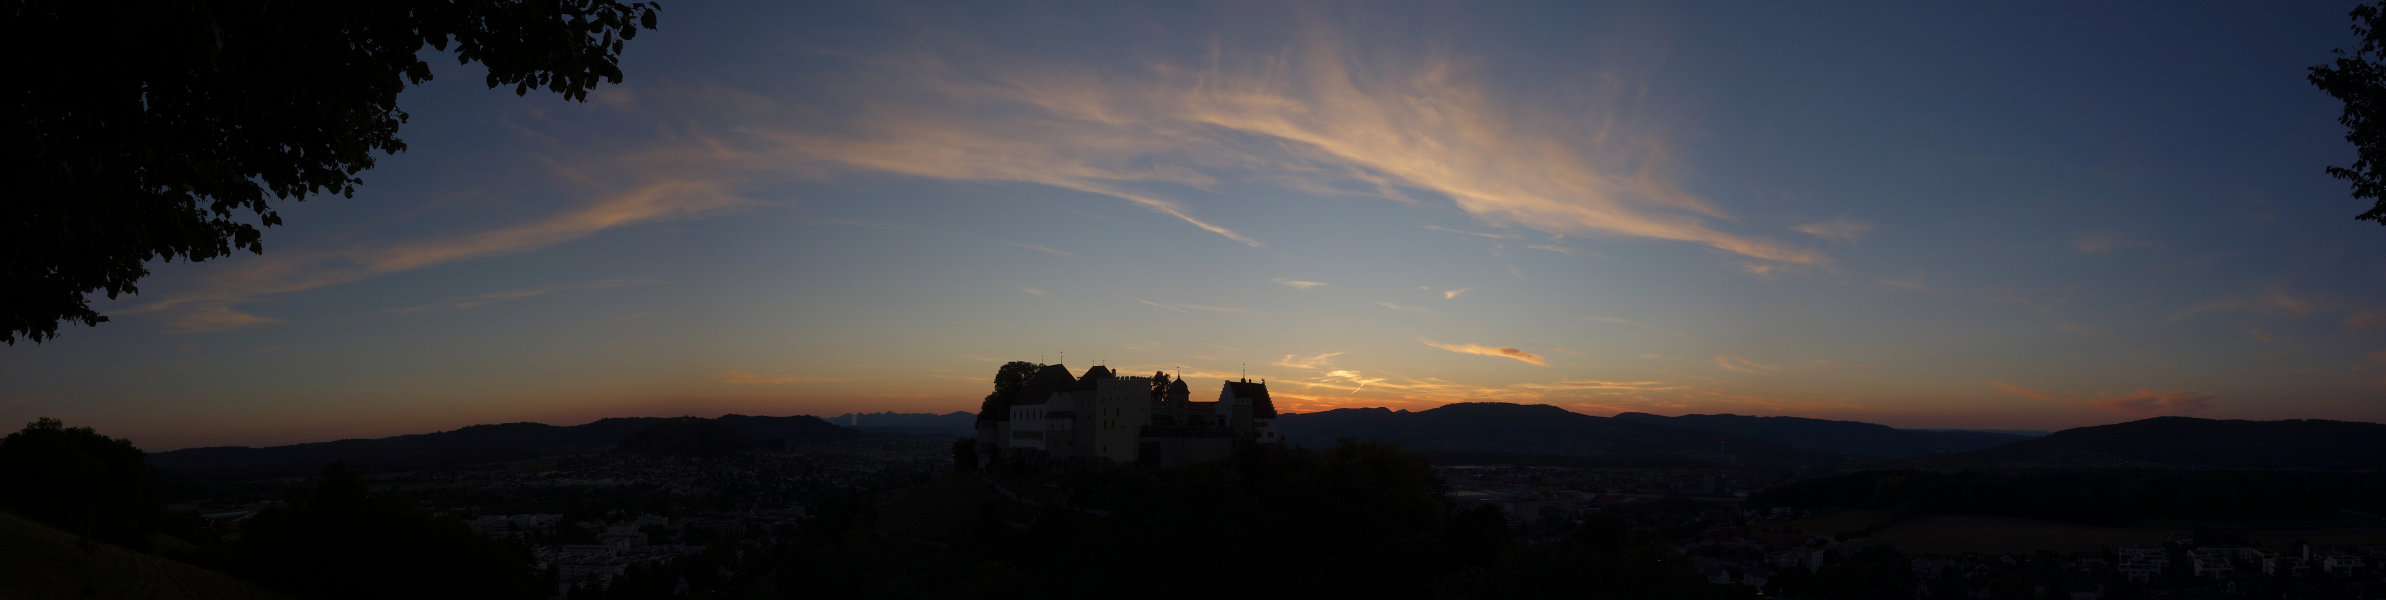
(1179, 386)
(1047, 380)
(1257, 391)
(1093, 374)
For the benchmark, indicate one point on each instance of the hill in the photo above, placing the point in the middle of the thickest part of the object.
(1846, 438)
(2197, 443)
(43, 562)
(952, 424)
(487, 443)
(1525, 429)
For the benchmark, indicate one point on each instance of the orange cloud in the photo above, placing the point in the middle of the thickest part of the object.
(1738, 364)
(2146, 404)
(1313, 362)
(2368, 318)
(212, 319)
(1842, 230)
(2026, 392)
(1501, 351)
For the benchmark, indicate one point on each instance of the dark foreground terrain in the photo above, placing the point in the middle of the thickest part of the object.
(774, 507)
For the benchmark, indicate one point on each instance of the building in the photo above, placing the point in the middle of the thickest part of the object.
(1104, 417)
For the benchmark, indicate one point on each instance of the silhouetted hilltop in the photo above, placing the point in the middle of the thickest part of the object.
(686, 437)
(1849, 438)
(954, 424)
(1504, 428)
(2193, 442)
(484, 443)
(792, 431)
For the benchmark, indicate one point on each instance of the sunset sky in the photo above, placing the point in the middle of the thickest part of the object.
(1917, 214)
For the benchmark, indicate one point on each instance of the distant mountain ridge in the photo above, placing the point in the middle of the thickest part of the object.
(2190, 442)
(956, 423)
(1849, 438)
(498, 442)
(1503, 428)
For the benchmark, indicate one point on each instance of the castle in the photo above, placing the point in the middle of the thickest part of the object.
(1104, 417)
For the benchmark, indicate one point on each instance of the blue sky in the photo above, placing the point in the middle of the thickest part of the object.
(1922, 215)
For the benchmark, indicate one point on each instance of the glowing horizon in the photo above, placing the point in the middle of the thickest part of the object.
(1924, 216)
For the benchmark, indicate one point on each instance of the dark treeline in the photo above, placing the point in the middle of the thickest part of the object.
(2095, 496)
(333, 539)
(1355, 520)
(328, 538)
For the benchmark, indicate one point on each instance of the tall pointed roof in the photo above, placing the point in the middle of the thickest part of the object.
(1096, 373)
(1047, 380)
(1257, 391)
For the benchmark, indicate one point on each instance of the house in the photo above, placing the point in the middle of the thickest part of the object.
(2143, 563)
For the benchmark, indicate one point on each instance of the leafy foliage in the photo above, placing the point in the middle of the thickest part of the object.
(2359, 80)
(78, 480)
(1009, 382)
(157, 129)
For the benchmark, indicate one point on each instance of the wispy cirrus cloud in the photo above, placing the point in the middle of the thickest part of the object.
(1454, 294)
(1909, 282)
(1496, 236)
(209, 307)
(1308, 362)
(2277, 300)
(1841, 230)
(1042, 249)
(2368, 318)
(1297, 284)
(1741, 364)
(214, 318)
(1568, 250)
(1499, 351)
(1317, 107)
(1032, 291)
(477, 300)
(1404, 308)
(2103, 243)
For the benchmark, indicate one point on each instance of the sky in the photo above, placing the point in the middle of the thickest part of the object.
(2033, 216)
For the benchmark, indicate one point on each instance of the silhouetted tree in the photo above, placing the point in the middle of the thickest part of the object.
(965, 455)
(2358, 78)
(1009, 382)
(335, 540)
(75, 479)
(136, 130)
(1159, 385)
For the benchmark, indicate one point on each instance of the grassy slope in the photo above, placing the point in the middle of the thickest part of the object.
(37, 561)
